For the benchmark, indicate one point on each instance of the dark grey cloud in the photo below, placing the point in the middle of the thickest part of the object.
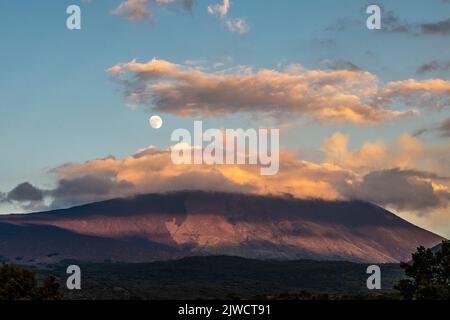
(343, 24)
(444, 128)
(431, 66)
(88, 185)
(392, 23)
(400, 189)
(420, 132)
(25, 192)
(85, 189)
(187, 4)
(439, 28)
(340, 64)
(68, 192)
(212, 181)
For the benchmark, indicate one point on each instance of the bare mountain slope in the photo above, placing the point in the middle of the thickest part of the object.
(161, 226)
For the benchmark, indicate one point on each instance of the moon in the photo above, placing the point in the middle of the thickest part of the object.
(156, 122)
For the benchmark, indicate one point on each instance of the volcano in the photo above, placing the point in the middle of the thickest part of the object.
(154, 227)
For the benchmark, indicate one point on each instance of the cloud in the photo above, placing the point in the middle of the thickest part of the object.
(403, 152)
(420, 132)
(436, 28)
(221, 9)
(25, 192)
(151, 170)
(441, 28)
(134, 10)
(401, 189)
(88, 188)
(434, 66)
(444, 128)
(403, 174)
(25, 195)
(340, 65)
(138, 10)
(238, 25)
(187, 4)
(392, 23)
(329, 96)
(433, 94)
(387, 174)
(342, 24)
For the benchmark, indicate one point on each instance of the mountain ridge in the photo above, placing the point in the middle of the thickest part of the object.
(190, 223)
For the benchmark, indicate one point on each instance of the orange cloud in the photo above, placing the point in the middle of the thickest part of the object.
(391, 174)
(405, 152)
(339, 96)
(138, 10)
(431, 94)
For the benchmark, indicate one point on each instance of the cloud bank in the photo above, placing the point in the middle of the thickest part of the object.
(327, 96)
(403, 174)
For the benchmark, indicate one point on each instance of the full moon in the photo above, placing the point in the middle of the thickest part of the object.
(155, 122)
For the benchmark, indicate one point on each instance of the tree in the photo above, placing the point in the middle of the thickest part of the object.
(20, 283)
(49, 290)
(428, 275)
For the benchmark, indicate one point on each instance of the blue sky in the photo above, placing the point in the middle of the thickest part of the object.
(59, 105)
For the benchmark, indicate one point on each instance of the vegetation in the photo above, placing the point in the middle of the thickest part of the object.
(20, 283)
(232, 278)
(428, 275)
(227, 278)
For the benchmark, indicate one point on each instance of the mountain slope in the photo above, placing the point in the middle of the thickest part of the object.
(160, 226)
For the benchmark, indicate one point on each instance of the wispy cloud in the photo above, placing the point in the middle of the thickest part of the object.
(392, 23)
(134, 10)
(443, 129)
(433, 66)
(238, 25)
(138, 10)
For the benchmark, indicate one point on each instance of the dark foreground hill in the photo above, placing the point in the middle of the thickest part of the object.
(221, 277)
(175, 225)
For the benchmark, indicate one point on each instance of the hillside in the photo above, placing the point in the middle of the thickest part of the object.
(163, 226)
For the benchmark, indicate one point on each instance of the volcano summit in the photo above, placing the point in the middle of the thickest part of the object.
(165, 226)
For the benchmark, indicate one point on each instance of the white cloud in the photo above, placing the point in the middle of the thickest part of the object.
(238, 25)
(221, 9)
(134, 10)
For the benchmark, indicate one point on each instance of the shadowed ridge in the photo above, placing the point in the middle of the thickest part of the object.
(250, 226)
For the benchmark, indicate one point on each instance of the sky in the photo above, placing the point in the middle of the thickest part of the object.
(364, 114)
